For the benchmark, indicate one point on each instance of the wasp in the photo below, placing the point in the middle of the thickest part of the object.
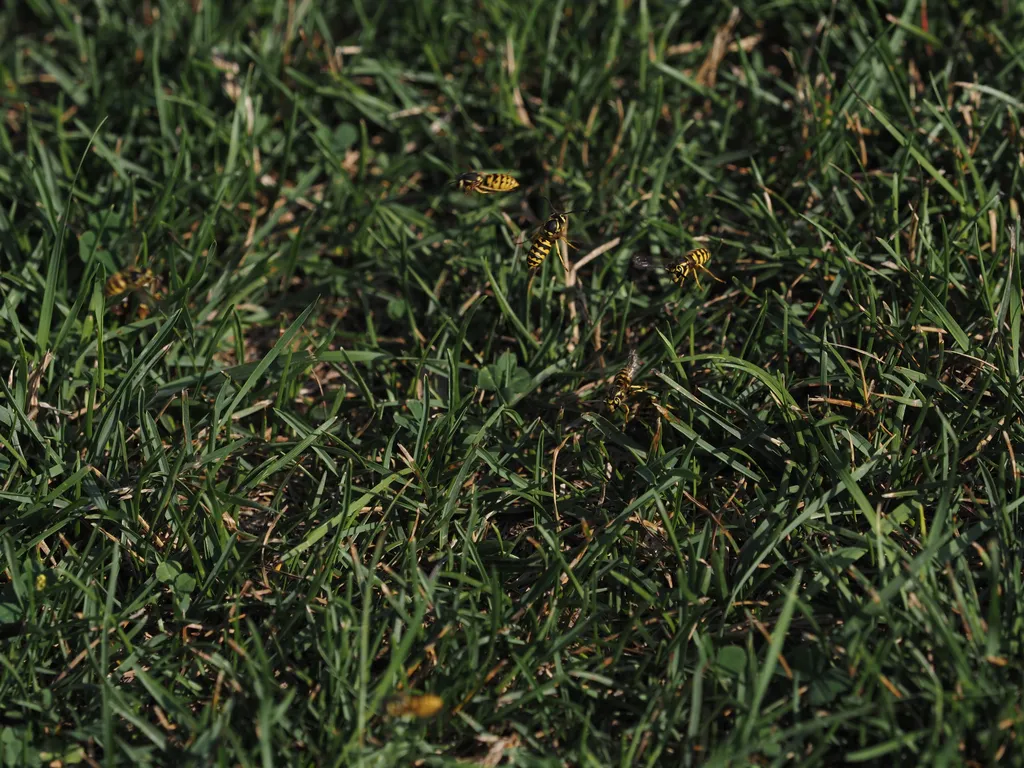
(485, 183)
(132, 280)
(689, 265)
(420, 707)
(623, 386)
(553, 231)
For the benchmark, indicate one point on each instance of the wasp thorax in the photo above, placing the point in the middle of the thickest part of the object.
(553, 226)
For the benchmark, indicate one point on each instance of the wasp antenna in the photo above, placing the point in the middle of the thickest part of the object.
(566, 213)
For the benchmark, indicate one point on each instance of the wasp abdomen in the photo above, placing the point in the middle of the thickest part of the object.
(485, 183)
(498, 182)
(538, 252)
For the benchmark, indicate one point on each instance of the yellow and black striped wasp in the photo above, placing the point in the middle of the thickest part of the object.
(639, 404)
(679, 270)
(136, 281)
(623, 388)
(550, 235)
(421, 707)
(689, 265)
(485, 183)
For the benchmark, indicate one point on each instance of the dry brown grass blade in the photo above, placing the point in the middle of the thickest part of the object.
(708, 72)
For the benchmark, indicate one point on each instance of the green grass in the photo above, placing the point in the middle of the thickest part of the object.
(349, 454)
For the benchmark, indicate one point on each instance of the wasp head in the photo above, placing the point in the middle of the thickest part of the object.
(680, 271)
(556, 225)
(469, 181)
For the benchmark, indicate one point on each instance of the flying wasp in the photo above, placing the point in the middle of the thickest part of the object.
(485, 183)
(679, 270)
(548, 236)
(133, 280)
(689, 265)
(420, 707)
(128, 279)
(623, 387)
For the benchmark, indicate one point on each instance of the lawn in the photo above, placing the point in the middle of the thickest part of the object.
(346, 448)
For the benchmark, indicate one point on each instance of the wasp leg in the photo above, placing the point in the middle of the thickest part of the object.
(558, 250)
(710, 273)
